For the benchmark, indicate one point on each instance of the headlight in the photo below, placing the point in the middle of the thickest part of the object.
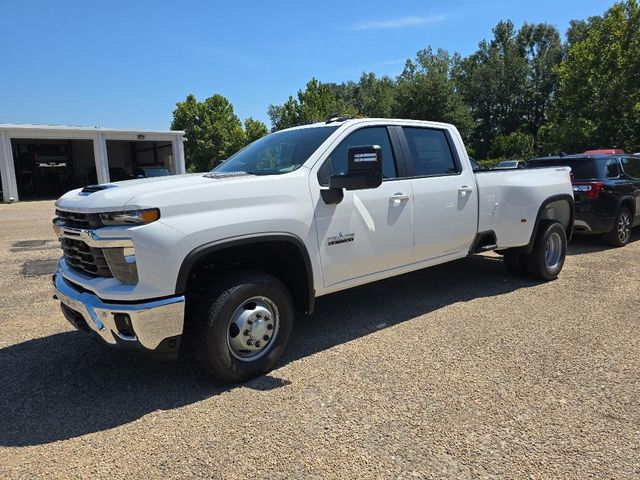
(130, 217)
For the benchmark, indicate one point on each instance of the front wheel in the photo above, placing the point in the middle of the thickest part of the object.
(549, 251)
(242, 326)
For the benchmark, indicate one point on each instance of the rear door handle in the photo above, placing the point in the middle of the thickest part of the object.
(465, 191)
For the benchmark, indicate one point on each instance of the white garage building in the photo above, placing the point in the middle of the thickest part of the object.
(42, 161)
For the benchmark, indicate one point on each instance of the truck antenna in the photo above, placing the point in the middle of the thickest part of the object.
(337, 118)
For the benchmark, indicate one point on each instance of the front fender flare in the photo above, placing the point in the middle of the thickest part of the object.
(202, 251)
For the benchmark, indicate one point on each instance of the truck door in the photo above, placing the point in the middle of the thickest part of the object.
(369, 230)
(444, 192)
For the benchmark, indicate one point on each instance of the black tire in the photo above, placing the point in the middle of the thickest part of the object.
(537, 263)
(213, 332)
(514, 262)
(620, 234)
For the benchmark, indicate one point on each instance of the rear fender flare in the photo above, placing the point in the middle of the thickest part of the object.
(540, 217)
(628, 199)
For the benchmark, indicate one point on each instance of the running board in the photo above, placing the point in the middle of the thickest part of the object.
(484, 242)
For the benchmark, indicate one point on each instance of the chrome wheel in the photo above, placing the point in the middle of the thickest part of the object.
(553, 251)
(624, 227)
(253, 328)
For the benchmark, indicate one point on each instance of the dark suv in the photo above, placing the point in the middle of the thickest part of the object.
(607, 193)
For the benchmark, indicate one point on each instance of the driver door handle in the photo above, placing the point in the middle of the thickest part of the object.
(398, 198)
(465, 191)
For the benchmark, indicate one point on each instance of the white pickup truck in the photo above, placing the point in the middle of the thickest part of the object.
(227, 257)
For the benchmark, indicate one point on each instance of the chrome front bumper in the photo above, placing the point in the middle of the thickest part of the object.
(149, 326)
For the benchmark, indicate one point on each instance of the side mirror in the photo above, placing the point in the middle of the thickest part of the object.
(364, 169)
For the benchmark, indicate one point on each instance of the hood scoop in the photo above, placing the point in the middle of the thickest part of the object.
(89, 189)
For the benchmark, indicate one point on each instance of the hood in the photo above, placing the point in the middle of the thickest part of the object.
(109, 196)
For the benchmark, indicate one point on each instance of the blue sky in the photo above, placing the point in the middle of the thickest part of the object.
(125, 64)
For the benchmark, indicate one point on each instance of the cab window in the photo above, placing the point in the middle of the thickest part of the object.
(430, 152)
(336, 164)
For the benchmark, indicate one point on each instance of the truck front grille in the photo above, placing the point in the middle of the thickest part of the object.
(85, 259)
(80, 220)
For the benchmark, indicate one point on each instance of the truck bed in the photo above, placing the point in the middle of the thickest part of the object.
(509, 200)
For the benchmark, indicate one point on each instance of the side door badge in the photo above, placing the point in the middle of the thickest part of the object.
(341, 238)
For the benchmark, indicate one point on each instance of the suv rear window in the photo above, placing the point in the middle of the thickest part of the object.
(581, 168)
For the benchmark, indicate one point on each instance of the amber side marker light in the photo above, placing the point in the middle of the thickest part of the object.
(150, 215)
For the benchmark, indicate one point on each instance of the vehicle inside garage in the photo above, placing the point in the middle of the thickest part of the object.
(138, 159)
(46, 168)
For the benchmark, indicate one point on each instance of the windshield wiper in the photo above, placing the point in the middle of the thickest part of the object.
(237, 173)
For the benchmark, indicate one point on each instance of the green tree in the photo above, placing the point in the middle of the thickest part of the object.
(509, 82)
(213, 130)
(516, 145)
(313, 104)
(371, 96)
(254, 129)
(375, 96)
(579, 29)
(541, 47)
(598, 101)
(426, 91)
(493, 83)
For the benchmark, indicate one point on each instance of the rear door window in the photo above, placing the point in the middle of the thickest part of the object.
(631, 166)
(430, 152)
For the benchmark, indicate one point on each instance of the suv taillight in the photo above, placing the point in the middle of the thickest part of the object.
(592, 189)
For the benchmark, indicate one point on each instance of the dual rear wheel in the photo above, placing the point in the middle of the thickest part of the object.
(547, 256)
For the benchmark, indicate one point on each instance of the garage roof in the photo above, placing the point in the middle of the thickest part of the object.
(71, 128)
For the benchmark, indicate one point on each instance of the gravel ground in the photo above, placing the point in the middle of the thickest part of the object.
(456, 371)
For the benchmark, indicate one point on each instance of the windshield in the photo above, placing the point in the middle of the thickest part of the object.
(277, 153)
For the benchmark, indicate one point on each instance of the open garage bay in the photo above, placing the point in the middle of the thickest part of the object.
(48, 168)
(45, 161)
